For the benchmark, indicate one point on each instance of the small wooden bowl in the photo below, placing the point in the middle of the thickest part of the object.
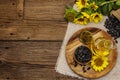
(79, 61)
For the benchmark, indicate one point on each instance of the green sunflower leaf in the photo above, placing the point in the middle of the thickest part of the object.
(110, 6)
(105, 10)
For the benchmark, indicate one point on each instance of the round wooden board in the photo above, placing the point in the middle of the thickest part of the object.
(74, 42)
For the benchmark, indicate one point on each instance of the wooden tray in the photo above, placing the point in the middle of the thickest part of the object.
(74, 42)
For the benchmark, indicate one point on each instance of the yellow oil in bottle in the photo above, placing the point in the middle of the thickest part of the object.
(101, 47)
(102, 52)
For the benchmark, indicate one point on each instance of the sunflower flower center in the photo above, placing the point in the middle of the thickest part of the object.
(80, 20)
(83, 2)
(96, 16)
(98, 62)
(94, 6)
(70, 15)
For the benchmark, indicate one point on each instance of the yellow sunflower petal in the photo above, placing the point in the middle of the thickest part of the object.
(85, 14)
(95, 68)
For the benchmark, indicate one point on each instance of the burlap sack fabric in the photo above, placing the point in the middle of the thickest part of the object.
(116, 13)
(61, 64)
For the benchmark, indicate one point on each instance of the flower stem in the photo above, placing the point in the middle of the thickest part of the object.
(107, 2)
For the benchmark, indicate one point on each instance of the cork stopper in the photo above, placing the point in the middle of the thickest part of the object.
(116, 13)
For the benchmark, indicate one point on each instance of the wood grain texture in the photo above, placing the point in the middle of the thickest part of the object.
(14, 71)
(29, 51)
(32, 30)
(20, 8)
(45, 9)
(8, 9)
(23, 60)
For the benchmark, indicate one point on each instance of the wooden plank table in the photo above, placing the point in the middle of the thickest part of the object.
(31, 34)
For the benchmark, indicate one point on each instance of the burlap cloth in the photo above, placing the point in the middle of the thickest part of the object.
(61, 64)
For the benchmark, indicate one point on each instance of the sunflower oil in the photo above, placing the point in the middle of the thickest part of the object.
(101, 46)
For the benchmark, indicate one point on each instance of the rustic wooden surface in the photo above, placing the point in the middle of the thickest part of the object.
(31, 34)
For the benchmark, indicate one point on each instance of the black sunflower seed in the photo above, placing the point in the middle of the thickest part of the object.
(88, 68)
(75, 63)
(84, 69)
(113, 27)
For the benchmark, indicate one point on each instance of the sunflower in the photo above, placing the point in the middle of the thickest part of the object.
(81, 20)
(96, 17)
(99, 63)
(70, 14)
(94, 6)
(81, 4)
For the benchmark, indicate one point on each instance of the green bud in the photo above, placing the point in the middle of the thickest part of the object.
(70, 14)
(118, 3)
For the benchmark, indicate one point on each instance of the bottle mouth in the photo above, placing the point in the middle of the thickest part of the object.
(86, 37)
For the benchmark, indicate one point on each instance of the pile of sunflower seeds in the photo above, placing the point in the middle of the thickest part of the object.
(83, 54)
(113, 27)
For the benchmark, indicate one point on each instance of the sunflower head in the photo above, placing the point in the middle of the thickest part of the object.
(96, 17)
(70, 14)
(81, 20)
(93, 6)
(81, 4)
(99, 63)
